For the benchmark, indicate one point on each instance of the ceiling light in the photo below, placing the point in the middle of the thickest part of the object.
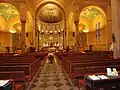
(85, 30)
(51, 31)
(58, 30)
(46, 31)
(55, 31)
(62, 30)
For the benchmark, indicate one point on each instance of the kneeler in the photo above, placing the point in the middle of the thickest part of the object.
(81, 83)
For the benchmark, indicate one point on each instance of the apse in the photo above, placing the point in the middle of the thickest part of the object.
(50, 13)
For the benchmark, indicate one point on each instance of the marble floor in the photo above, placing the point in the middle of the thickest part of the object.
(52, 77)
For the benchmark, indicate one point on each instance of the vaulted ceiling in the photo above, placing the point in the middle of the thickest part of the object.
(8, 13)
(90, 17)
(9, 16)
(32, 3)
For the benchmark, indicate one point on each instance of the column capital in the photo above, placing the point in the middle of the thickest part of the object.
(76, 21)
(23, 21)
(109, 20)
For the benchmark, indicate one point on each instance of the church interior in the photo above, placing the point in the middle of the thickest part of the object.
(59, 44)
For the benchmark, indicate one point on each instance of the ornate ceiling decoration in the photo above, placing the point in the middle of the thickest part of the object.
(9, 16)
(90, 16)
(50, 13)
(10, 19)
(8, 11)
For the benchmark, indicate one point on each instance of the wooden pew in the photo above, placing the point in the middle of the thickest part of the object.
(95, 70)
(82, 58)
(29, 69)
(30, 64)
(99, 60)
(18, 78)
(68, 64)
(90, 64)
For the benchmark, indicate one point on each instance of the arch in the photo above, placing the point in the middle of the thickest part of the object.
(42, 3)
(12, 21)
(10, 16)
(17, 24)
(90, 16)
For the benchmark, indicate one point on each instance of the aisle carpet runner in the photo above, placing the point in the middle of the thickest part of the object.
(51, 77)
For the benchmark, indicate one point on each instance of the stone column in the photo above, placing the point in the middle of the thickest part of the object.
(23, 10)
(107, 30)
(34, 32)
(108, 27)
(63, 39)
(76, 22)
(65, 34)
(38, 35)
(115, 7)
(23, 45)
(77, 35)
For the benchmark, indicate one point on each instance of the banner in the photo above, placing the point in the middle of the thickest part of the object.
(98, 31)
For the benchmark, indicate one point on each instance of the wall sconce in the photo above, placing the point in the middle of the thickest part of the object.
(85, 30)
(12, 30)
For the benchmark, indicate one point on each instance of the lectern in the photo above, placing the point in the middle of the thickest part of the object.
(98, 82)
(5, 85)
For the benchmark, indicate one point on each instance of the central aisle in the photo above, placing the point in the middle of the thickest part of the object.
(51, 77)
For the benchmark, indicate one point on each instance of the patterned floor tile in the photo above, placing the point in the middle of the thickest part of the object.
(57, 84)
(44, 85)
(45, 80)
(36, 80)
(56, 79)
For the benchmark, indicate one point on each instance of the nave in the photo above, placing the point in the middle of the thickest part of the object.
(52, 77)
